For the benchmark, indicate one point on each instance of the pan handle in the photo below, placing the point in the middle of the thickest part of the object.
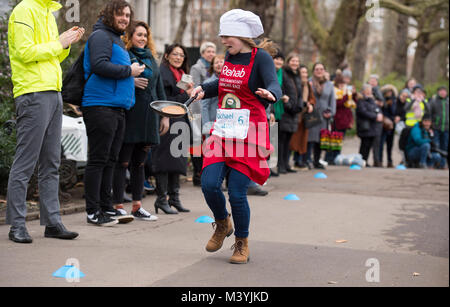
(190, 100)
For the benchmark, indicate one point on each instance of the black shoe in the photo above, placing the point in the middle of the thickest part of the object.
(122, 218)
(20, 235)
(164, 206)
(256, 191)
(177, 205)
(319, 166)
(290, 170)
(59, 232)
(282, 171)
(274, 174)
(101, 219)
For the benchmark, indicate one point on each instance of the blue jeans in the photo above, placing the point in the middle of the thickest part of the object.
(424, 156)
(212, 178)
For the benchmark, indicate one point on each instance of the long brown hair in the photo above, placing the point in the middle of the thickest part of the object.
(114, 7)
(266, 44)
(128, 37)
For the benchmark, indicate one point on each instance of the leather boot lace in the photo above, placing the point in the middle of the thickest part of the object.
(238, 247)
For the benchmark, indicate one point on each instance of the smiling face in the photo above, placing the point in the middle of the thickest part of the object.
(140, 37)
(122, 19)
(209, 54)
(319, 71)
(279, 62)
(234, 45)
(294, 63)
(304, 74)
(218, 65)
(176, 57)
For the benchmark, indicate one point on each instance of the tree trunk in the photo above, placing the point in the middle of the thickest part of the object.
(358, 62)
(333, 44)
(265, 9)
(183, 22)
(390, 21)
(401, 49)
(342, 33)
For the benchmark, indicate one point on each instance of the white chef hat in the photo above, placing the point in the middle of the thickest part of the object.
(240, 23)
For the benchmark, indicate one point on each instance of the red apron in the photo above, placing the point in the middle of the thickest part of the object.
(240, 135)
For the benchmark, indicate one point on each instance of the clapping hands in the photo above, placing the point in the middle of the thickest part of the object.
(71, 36)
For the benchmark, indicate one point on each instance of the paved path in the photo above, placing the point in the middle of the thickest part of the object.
(398, 218)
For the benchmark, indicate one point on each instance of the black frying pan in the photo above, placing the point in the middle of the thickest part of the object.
(159, 105)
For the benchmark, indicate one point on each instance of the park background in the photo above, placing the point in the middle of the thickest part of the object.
(395, 39)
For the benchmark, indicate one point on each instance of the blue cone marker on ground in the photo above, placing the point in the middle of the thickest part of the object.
(320, 176)
(292, 197)
(68, 271)
(355, 167)
(401, 167)
(204, 219)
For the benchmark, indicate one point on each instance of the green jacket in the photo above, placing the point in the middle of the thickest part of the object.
(34, 48)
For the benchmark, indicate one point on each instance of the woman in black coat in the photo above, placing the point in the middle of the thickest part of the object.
(166, 165)
(368, 115)
(143, 126)
(292, 103)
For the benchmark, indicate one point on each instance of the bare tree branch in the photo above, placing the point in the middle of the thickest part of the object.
(183, 22)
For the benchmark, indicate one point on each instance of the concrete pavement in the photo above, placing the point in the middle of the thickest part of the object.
(399, 219)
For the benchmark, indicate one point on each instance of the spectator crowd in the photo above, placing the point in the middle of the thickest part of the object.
(123, 74)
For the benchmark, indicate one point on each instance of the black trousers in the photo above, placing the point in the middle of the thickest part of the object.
(105, 128)
(314, 148)
(284, 153)
(388, 138)
(366, 146)
(131, 156)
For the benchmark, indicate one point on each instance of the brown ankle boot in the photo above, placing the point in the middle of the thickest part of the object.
(241, 253)
(224, 229)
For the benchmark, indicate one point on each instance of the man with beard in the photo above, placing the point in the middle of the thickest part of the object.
(108, 92)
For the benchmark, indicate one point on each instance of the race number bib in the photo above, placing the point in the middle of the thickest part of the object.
(232, 123)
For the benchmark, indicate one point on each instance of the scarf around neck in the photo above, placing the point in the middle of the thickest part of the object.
(279, 105)
(318, 84)
(144, 56)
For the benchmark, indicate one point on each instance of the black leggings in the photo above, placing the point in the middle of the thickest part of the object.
(366, 146)
(132, 156)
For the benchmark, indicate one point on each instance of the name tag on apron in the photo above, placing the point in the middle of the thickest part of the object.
(232, 123)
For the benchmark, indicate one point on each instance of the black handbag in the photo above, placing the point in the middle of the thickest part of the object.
(312, 119)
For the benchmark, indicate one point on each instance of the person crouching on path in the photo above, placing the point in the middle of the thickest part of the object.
(248, 82)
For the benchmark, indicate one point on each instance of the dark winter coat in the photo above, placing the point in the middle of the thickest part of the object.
(162, 159)
(366, 117)
(439, 108)
(292, 87)
(142, 123)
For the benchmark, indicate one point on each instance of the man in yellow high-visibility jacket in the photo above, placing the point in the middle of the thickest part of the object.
(417, 107)
(36, 50)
